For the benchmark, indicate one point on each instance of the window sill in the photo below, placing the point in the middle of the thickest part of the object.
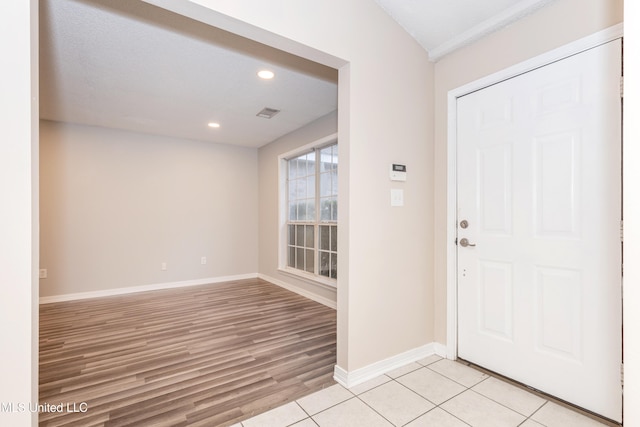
(310, 278)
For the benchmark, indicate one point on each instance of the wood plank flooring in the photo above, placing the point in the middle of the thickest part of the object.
(199, 356)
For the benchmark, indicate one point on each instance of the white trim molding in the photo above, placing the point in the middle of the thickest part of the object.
(358, 376)
(282, 199)
(144, 288)
(493, 24)
(312, 296)
(309, 277)
(589, 42)
(195, 282)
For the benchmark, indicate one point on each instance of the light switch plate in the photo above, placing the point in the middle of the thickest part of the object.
(397, 197)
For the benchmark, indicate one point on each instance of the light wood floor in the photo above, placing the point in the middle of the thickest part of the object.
(207, 355)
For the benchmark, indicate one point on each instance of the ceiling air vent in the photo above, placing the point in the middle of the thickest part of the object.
(267, 113)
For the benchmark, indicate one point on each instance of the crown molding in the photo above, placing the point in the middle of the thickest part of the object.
(493, 24)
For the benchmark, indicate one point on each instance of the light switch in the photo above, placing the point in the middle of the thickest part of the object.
(397, 197)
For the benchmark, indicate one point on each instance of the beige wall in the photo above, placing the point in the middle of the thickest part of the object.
(269, 226)
(385, 116)
(115, 205)
(405, 122)
(562, 22)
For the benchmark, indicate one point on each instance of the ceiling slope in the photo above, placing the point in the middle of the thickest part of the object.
(442, 26)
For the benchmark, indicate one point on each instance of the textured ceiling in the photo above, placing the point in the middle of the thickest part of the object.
(128, 65)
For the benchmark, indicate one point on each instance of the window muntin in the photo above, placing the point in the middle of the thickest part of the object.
(301, 254)
(328, 171)
(312, 211)
(328, 251)
(301, 183)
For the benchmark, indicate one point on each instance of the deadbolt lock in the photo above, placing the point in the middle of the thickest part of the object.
(464, 223)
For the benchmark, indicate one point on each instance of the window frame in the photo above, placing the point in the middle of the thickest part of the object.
(283, 247)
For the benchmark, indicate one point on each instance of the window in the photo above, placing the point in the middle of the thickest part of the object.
(312, 211)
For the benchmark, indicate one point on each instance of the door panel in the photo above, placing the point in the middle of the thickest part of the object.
(494, 191)
(557, 184)
(495, 287)
(558, 310)
(539, 182)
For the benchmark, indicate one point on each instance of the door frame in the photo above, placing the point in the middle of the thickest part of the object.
(580, 45)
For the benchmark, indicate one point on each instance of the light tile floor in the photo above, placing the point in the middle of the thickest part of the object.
(433, 392)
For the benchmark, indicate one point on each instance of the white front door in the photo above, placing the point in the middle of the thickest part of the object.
(539, 253)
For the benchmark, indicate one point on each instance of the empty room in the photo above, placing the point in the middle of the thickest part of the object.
(290, 213)
(158, 133)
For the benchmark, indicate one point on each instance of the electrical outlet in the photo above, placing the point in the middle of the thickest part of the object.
(43, 273)
(203, 260)
(163, 266)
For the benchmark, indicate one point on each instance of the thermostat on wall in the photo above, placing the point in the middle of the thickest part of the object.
(398, 172)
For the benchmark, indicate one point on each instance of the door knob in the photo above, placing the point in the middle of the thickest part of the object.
(465, 242)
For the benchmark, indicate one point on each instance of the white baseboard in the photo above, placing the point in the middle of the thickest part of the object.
(144, 288)
(442, 350)
(358, 376)
(299, 291)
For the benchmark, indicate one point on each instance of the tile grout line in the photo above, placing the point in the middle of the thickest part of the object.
(488, 376)
(505, 406)
(451, 379)
(305, 411)
(396, 380)
(330, 407)
(310, 416)
(373, 409)
(413, 391)
(435, 404)
(467, 388)
(452, 397)
(530, 417)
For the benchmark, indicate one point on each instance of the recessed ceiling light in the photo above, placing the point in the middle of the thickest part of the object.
(266, 74)
(214, 125)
